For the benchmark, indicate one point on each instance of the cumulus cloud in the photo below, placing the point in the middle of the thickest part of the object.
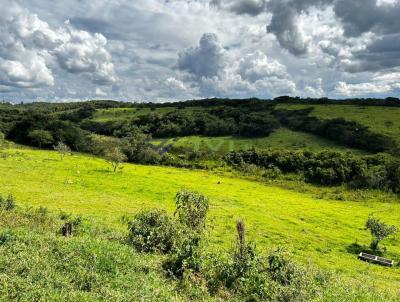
(150, 49)
(205, 60)
(283, 24)
(380, 83)
(29, 47)
(360, 16)
(253, 74)
(361, 88)
(257, 65)
(82, 52)
(175, 84)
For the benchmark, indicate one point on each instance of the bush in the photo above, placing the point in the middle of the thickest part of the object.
(328, 168)
(9, 204)
(152, 231)
(191, 210)
(379, 231)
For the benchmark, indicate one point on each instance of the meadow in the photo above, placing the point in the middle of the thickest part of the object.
(316, 228)
(281, 138)
(383, 120)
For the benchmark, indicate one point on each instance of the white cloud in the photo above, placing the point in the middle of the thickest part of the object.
(361, 89)
(204, 60)
(131, 48)
(82, 52)
(29, 46)
(175, 84)
(257, 65)
(100, 92)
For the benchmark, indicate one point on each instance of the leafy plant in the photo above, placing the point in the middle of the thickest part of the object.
(9, 203)
(379, 231)
(63, 149)
(152, 231)
(115, 157)
(191, 209)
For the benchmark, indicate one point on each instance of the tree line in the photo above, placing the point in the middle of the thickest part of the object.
(329, 168)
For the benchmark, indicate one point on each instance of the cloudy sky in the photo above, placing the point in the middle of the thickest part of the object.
(157, 50)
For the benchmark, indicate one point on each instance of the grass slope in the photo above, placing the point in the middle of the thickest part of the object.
(315, 229)
(280, 139)
(384, 120)
(37, 264)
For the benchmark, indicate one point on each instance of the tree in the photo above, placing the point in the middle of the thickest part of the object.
(379, 231)
(115, 157)
(62, 149)
(41, 137)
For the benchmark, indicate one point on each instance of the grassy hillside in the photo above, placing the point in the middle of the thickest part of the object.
(36, 264)
(317, 230)
(384, 120)
(280, 139)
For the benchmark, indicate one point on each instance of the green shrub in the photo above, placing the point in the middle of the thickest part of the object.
(5, 236)
(379, 231)
(10, 203)
(152, 231)
(191, 210)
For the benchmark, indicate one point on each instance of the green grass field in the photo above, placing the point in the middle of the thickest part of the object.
(384, 120)
(281, 138)
(317, 230)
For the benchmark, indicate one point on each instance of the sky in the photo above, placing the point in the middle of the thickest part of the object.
(165, 50)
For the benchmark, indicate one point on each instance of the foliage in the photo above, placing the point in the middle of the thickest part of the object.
(191, 210)
(42, 138)
(115, 157)
(152, 231)
(325, 168)
(7, 204)
(348, 133)
(62, 149)
(39, 265)
(379, 231)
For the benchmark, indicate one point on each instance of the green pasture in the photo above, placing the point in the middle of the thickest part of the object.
(384, 120)
(281, 138)
(317, 230)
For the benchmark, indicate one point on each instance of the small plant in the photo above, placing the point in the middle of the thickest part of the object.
(10, 203)
(115, 157)
(1, 201)
(63, 149)
(191, 210)
(152, 231)
(379, 231)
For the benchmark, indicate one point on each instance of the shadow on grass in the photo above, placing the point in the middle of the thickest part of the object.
(356, 248)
